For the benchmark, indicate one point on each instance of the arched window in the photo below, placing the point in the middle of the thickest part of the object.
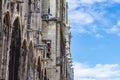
(6, 25)
(15, 51)
(5, 31)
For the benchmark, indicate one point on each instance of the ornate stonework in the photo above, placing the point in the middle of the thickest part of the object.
(33, 40)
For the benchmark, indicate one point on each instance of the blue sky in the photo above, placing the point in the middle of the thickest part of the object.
(95, 46)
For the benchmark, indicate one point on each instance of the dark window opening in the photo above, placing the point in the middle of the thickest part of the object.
(45, 75)
(8, 6)
(48, 49)
(15, 51)
(12, 7)
(39, 68)
(18, 7)
(29, 2)
(6, 24)
(48, 10)
(24, 53)
(47, 52)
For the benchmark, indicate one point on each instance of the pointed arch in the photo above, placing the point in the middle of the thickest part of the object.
(4, 40)
(31, 61)
(15, 51)
(5, 31)
(6, 24)
(31, 54)
(24, 45)
(24, 51)
(6, 27)
(23, 57)
(6, 19)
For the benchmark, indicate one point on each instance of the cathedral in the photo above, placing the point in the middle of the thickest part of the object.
(35, 40)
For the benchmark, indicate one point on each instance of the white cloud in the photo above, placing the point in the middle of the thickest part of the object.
(117, 1)
(118, 23)
(99, 36)
(87, 1)
(91, 1)
(84, 13)
(98, 72)
(94, 28)
(115, 29)
(73, 4)
(79, 30)
(80, 18)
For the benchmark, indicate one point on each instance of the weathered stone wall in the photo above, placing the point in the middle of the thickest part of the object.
(32, 40)
(18, 29)
(54, 28)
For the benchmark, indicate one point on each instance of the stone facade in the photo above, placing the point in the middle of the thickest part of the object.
(33, 40)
